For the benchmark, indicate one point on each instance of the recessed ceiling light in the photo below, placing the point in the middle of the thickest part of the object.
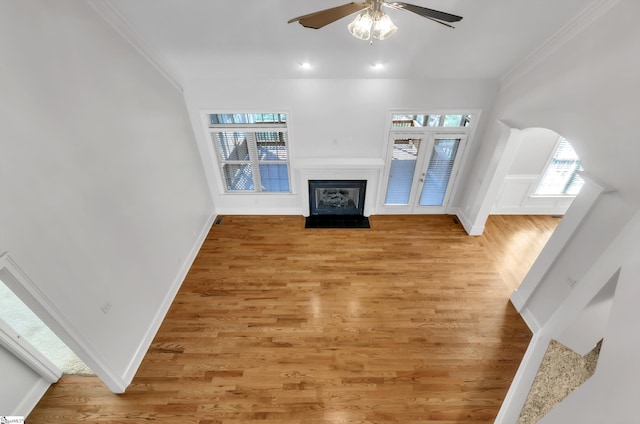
(377, 66)
(305, 65)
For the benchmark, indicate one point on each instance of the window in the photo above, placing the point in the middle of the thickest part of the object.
(561, 177)
(252, 150)
(431, 120)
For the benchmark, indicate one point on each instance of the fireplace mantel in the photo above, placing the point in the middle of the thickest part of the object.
(369, 169)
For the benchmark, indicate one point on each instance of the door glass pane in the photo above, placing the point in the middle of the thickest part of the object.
(403, 165)
(439, 171)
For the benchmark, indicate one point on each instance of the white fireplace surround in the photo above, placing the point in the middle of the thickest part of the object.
(369, 169)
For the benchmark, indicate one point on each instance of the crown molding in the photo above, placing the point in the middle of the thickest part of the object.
(586, 17)
(118, 22)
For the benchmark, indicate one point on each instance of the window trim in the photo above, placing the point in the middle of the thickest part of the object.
(254, 160)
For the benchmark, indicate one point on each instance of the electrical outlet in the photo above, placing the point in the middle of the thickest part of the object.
(105, 308)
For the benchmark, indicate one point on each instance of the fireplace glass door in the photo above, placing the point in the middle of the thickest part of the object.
(422, 171)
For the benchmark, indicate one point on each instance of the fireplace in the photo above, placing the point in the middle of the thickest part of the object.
(337, 204)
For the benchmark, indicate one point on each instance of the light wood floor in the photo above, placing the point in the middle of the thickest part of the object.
(514, 242)
(408, 322)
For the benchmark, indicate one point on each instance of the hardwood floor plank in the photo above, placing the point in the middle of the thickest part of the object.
(408, 322)
(515, 241)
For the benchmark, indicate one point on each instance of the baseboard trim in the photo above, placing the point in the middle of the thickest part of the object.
(516, 397)
(529, 211)
(143, 347)
(252, 211)
(467, 224)
(530, 320)
(517, 300)
(31, 399)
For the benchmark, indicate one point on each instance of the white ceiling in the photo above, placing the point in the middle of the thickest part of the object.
(251, 38)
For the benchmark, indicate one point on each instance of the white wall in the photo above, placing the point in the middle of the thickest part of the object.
(515, 196)
(611, 394)
(104, 200)
(585, 85)
(585, 79)
(329, 120)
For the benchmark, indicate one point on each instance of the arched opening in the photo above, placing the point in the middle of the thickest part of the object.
(534, 184)
(542, 177)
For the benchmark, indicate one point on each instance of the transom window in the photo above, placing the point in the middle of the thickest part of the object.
(431, 120)
(252, 151)
(561, 177)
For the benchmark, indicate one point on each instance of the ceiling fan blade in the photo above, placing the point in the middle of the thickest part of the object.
(424, 12)
(321, 18)
(440, 22)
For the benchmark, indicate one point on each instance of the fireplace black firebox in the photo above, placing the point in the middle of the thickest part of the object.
(337, 204)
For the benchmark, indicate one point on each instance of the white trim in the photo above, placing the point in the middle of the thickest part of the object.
(28, 354)
(251, 210)
(585, 18)
(555, 211)
(143, 347)
(466, 222)
(122, 26)
(518, 300)
(31, 399)
(215, 162)
(576, 214)
(516, 397)
(522, 177)
(602, 186)
(523, 185)
(429, 134)
(529, 319)
(31, 295)
(345, 169)
(612, 260)
(509, 140)
(341, 163)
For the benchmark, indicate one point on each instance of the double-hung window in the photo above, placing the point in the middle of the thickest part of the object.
(561, 177)
(252, 151)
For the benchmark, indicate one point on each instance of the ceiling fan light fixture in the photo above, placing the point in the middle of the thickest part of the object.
(383, 27)
(361, 26)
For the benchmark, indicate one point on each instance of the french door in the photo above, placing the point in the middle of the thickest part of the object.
(423, 169)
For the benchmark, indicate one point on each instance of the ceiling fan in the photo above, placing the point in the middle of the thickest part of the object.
(373, 22)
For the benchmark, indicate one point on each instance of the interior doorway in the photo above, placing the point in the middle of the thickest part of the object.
(26, 324)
